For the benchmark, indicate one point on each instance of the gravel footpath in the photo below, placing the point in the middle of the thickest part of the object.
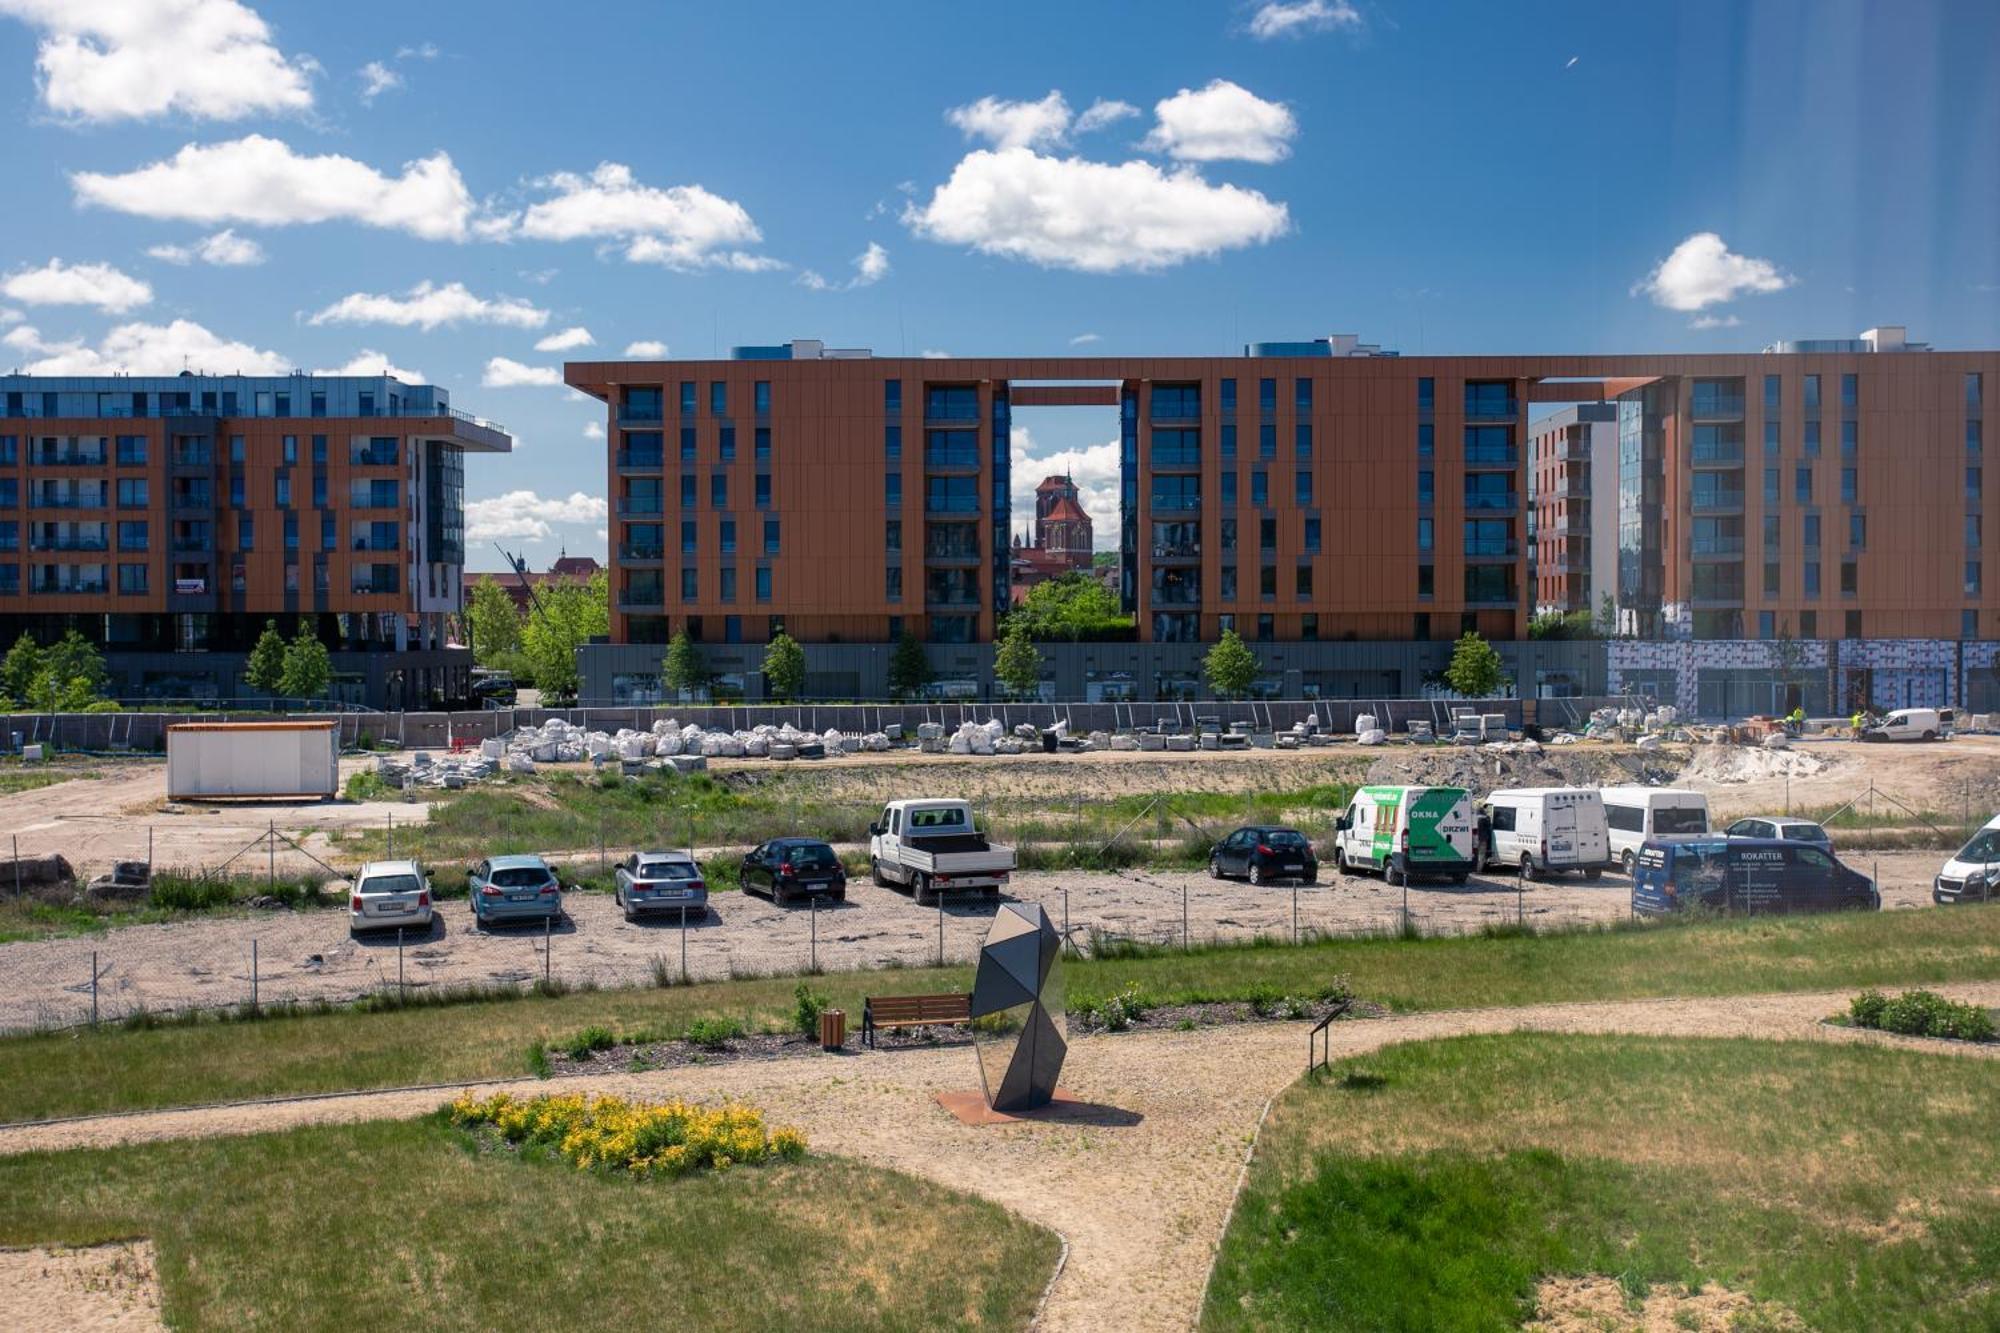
(206, 962)
(1139, 1181)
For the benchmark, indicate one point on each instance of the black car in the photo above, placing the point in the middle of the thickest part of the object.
(787, 868)
(496, 691)
(1264, 853)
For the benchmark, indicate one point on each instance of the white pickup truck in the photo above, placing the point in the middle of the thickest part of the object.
(931, 847)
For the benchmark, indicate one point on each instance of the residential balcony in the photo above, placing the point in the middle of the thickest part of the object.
(649, 459)
(1718, 502)
(68, 458)
(640, 416)
(1506, 549)
(1488, 502)
(640, 506)
(389, 544)
(1720, 408)
(363, 587)
(942, 459)
(84, 500)
(1177, 551)
(1718, 548)
(642, 554)
(1507, 456)
(642, 598)
(69, 588)
(1179, 503)
(69, 544)
(1718, 455)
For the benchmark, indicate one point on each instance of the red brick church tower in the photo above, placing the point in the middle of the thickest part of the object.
(1062, 528)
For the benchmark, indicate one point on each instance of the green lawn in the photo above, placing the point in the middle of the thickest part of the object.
(1432, 1185)
(68, 1073)
(15, 778)
(412, 1224)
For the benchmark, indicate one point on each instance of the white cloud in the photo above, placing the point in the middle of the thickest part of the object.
(1083, 338)
(10, 316)
(421, 51)
(1094, 469)
(1220, 122)
(1296, 18)
(56, 283)
(376, 79)
(102, 60)
(503, 373)
(568, 340)
(368, 361)
(936, 354)
(593, 430)
(1101, 113)
(429, 305)
(682, 226)
(1703, 272)
(145, 349)
(649, 348)
(870, 267)
(1007, 124)
(526, 516)
(225, 249)
(1092, 216)
(260, 180)
(1715, 322)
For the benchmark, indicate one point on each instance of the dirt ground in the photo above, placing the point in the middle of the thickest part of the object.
(95, 1287)
(1138, 1181)
(206, 962)
(119, 814)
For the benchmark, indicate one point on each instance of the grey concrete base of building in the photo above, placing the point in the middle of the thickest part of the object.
(383, 681)
(615, 674)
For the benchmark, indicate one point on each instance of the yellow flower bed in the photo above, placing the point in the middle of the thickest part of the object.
(645, 1138)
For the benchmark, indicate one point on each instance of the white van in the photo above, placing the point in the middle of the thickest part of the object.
(1973, 873)
(1406, 833)
(1540, 829)
(1907, 724)
(1634, 814)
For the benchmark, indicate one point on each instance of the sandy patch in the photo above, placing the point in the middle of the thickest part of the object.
(94, 1287)
(1599, 1305)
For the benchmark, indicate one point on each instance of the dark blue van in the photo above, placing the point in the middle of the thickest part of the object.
(1744, 875)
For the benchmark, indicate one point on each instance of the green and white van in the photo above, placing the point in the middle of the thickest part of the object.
(1406, 832)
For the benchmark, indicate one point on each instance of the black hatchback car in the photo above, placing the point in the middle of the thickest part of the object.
(788, 868)
(1264, 853)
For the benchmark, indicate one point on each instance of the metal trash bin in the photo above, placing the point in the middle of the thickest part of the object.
(832, 1029)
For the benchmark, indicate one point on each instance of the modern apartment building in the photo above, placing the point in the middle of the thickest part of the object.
(1317, 497)
(167, 519)
(1573, 498)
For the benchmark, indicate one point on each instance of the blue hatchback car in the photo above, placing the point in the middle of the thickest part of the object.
(1704, 872)
(509, 889)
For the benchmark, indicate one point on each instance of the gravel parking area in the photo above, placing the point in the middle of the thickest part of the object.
(206, 962)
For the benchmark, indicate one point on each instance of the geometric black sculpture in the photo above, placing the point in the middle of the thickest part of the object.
(1017, 1009)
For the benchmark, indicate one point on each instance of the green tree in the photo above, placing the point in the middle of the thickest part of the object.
(1607, 616)
(682, 668)
(1476, 669)
(784, 667)
(492, 621)
(1562, 625)
(69, 675)
(22, 665)
(1018, 664)
(266, 668)
(909, 667)
(1073, 607)
(565, 616)
(308, 666)
(1229, 666)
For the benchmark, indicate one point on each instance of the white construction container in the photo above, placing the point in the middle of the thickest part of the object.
(271, 760)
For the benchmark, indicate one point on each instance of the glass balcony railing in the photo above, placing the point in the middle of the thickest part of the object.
(640, 504)
(646, 458)
(1492, 500)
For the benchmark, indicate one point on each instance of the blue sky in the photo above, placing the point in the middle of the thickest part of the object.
(443, 186)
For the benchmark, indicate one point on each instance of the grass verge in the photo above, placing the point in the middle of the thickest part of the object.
(413, 1224)
(208, 1058)
(1433, 1185)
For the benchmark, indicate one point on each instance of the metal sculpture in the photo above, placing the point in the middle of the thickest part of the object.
(1017, 1009)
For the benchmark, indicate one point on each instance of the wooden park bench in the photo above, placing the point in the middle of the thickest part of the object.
(913, 1011)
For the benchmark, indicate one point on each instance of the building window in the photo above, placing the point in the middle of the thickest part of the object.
(1302, 441)
(770, 536)
(761, 490)
(1770, 486)
(131, 579)
(1853, 626)
(718, 491)
(1847, 485)
(291, 532)
(1968, 624)
(1426, 534)
(1812, 532)
(1260, 488)
(1229, 488)
(1857, 530)
(1972, 532)
(282, 492)
(761, 397)
(690, 584)
(1495, 398)
(1812, 579)
(1808, 624)
(1267, 440)
(1974, 438)
(1267, 627)
(892, 490)
(1850, 393)
(1176, 402)
(1812, 393)
(1267, 534)
(763, 445)
(1426, 440)
(246, 532)
(1771, 573)
(1303, 582)
(687, 490)
(1303, 487)
(1302, 394)
(725, 444)
(236, 491)
(1767, 624)
(327, 540)
(133, 493)
(1850, 439)
(1228, 589)
(728, 536)
(763, 583)
(1267, 396)
(892, 583)
(1972, 483)
(1426, 487)
(690, 536)
(1229, 395)
(728, 583)
(1312, 535)
(892, 535)
(1228, 535)
(1812, 439)
(1309, 626)
(131, 450)
(1802, 485)
(132, 536)
(1773, 395)
(236, 453)
(718, 398)
(1849, 578)
(1426, 580)
(1426, 394)
(1972, 580)
(1770, 439)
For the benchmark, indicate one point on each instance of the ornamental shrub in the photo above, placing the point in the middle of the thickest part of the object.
(645, 1138)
